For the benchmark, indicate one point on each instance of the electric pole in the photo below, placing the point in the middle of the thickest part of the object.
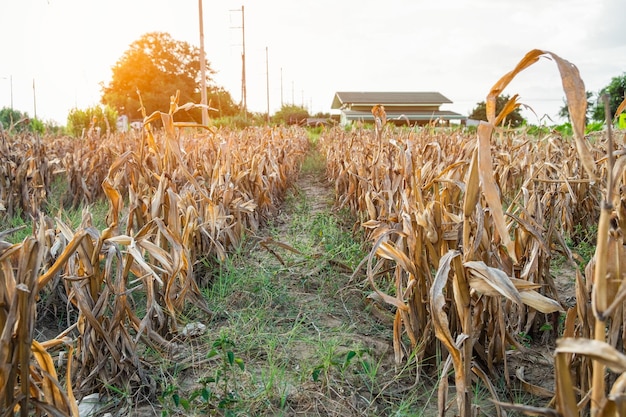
(244, 103)
(243, 66)
(10, 78)
(203, 98)
(267, 83)
(34, 99)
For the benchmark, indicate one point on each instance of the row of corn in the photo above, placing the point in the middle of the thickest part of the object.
(175, 198)
(464, 228)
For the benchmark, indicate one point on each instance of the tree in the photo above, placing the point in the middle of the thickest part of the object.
(157, 66)
(221, 102)
(16, 121)
(514, 118)
(290, 114)
(615, 90)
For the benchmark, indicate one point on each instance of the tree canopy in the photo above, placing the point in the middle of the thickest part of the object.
(157, 66)
(290, 114)
(616, 91)
(16, 121)
(514, 118)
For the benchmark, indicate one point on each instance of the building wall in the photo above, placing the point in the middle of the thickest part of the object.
(406, 109)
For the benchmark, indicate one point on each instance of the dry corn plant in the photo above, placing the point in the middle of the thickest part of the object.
(188, 197)
(26, 172)
(28, 378)
(433, 203)
(177, 197)
(594, 331)
(86, 163)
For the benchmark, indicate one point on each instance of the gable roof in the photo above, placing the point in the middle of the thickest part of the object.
(387, 98)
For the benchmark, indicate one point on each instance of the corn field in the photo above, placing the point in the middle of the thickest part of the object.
(174, 199)
(463, 229)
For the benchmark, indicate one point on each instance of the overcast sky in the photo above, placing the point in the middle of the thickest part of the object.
(458, 48)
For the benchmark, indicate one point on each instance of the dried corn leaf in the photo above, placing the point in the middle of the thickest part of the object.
(490, 189)
(533, 389)
(596, 350)
(575, 93)
(566, 403)
(388, 251)
(529, 410)
(50, 384)
(486, 278)
(395, 301)
(442, 326)
(540, 302)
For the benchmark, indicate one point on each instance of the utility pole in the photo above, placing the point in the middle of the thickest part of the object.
(267, 83)
(203, 98)
(282, 103)
(10, 78)
(244, 103)
(243, 66)
(34, 99)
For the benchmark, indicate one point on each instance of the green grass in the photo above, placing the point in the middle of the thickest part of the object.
(582, 243)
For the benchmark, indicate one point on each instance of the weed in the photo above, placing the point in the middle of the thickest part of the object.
(582, 242)
(525, 339)
(219, 391)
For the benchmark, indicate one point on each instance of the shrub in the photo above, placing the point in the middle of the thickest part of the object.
(18, 122)
(79, 121)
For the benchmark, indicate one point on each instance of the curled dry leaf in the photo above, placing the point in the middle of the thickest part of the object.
(595, 349)
(487, 280)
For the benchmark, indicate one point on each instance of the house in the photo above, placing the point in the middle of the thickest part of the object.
(401, 107)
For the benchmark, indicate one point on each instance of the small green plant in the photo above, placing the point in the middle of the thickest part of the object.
(216, 392)
(15, 229)
(224, 376)
(338, 362)
(525, 339)
(172, 401)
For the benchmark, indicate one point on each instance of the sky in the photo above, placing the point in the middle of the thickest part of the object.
(312, 49)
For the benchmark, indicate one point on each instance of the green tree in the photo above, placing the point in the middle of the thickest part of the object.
(16, 121)
(221, 102)
(616, 91)
(514, 118)
(290, 114)
(80, 120)
(157, 66)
